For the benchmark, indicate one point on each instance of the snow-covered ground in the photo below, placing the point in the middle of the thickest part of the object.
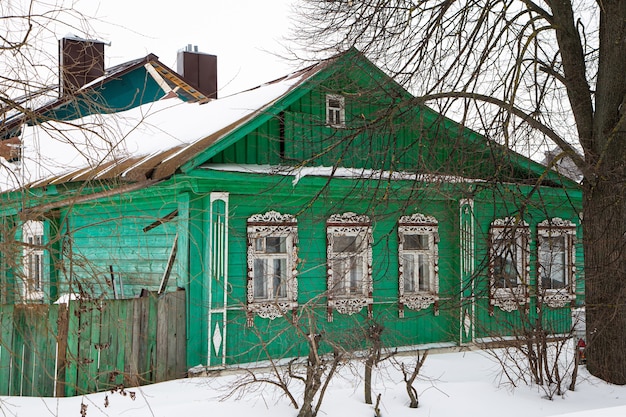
(451, 385)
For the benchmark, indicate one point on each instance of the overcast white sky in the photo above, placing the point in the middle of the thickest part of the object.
(237, 32)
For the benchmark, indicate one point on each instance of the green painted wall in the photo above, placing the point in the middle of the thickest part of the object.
(110, 234)
(312, 200)
(384, 130)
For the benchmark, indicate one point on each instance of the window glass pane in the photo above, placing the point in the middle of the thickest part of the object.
(258, 244)
(553, 264)
(333, 102)
(280, 277)
(274, 244)
(347, 244)
(37, 272)
(260, 278)
(339, 272)
(334, 117)
(408, 273)
(506, 272)
(348, 275)
(356, 275)
(416, 242)
(424, 272)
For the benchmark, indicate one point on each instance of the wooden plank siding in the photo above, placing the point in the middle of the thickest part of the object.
(104, 238)
(50, 350)
(418, 327)
(498, 203)
(251, 194)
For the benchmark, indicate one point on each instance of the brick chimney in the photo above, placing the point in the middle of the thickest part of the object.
(199, 70)
(80, 62)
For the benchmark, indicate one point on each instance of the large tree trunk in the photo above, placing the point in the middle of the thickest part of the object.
(604, 205)
(604, 226)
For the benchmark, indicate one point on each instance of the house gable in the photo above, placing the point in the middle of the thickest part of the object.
(384, 130)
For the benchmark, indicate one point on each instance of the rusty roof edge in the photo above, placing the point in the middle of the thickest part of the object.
(35, 211)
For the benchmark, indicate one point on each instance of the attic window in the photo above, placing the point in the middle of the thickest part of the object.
(335, 110)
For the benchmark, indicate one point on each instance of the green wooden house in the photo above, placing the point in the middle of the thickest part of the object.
(324, 201)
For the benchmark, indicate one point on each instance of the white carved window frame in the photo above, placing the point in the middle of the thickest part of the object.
(335, 110)
(33, 260)
(273, 224)
(550, 228)
(509, 230)
(419, 224)
(349, 224)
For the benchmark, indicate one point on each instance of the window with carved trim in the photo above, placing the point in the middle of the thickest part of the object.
(349, 252)
(418, 241)
(272, 264)
(335, 110)
(509, 258)
(556, 261)
(33, 260)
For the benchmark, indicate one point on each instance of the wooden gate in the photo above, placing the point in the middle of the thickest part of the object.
(90, 346)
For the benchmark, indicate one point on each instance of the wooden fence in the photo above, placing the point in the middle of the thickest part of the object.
(90, 346)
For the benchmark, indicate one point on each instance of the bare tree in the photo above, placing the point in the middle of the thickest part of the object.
(373, 335)
(28, 50)
(410, 375)
(534, 75)
(374, 355)
(313, 371)
(536, 354)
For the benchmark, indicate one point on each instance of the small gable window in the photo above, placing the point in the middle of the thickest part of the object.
(349, 253)
(335, 110)
(33, 260)
(272, 288)
(509, 258)
(555, 257)
(418, 241)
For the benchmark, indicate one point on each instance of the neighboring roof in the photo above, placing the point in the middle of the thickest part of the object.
(562, 164)
(153, 141)
(110, 93)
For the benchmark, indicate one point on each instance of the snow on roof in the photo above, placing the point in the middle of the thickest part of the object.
(153, 133)
(340, 172)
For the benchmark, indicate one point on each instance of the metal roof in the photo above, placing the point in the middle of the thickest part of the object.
(16, 117)
(162, 164)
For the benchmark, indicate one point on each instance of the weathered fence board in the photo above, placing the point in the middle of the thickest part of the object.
(28, 350)
(6, 348)
(171, 339)
(90, 346)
